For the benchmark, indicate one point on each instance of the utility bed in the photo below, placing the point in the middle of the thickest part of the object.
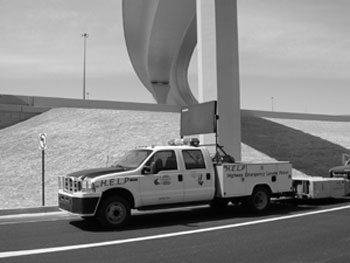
(239, 179)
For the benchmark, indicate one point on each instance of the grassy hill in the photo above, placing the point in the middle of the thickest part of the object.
(77, 139)
(85, 138)
(313, 148)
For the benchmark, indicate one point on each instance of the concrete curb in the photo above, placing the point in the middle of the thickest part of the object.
(30, 210)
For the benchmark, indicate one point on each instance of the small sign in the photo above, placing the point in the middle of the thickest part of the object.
(43, 141)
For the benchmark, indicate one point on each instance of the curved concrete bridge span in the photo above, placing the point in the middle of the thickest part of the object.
(160, 37)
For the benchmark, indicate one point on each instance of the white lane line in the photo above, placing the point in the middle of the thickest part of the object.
(9, 254)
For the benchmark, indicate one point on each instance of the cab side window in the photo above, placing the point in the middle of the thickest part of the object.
(193, 159)
(163, 161)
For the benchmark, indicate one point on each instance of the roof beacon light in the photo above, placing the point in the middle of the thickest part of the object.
(187, 141)
(175, 142)
(191, 141)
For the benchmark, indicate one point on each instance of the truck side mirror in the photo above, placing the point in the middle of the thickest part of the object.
(150, 169)
(146, 170)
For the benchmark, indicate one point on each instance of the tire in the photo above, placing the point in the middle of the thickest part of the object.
(114, 212)
(260, 199)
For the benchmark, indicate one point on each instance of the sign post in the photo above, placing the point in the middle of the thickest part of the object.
(43, 147)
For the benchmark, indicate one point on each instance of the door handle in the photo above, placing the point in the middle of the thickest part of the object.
(180, 177)
(208, 176)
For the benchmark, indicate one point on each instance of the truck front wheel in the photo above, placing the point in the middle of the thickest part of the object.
(260, 199)
(114, 212)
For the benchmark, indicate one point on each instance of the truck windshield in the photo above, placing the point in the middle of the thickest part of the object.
(132, 159)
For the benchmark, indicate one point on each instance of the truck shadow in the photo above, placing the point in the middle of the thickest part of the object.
(193, 217)
(309, 154)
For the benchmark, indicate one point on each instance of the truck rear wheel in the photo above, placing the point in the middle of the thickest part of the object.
(260, 199)
(114, 212)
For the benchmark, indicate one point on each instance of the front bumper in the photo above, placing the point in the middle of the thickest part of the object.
(85, 206)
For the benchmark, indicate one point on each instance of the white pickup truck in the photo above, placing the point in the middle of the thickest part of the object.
(179, 174)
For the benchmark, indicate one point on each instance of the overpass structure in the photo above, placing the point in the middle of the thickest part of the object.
(161, 36)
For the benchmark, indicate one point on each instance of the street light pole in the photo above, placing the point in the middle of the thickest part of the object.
(85, 36)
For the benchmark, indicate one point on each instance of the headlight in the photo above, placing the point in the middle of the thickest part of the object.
(88, 186)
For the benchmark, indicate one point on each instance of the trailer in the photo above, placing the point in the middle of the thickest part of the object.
(316, 187)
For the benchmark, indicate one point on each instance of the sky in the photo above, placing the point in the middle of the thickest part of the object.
(294, 56)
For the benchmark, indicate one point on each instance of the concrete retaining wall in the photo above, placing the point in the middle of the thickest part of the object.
(296, 116)
(14, 109)
(12, 114)
(100, 104)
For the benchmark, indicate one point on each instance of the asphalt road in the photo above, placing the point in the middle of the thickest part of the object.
(304, 232)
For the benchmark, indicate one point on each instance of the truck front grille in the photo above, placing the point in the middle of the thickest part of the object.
(71, 185)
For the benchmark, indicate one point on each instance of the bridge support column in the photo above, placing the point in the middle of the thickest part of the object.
(218, 67)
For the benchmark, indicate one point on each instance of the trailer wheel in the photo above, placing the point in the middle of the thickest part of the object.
(114, 212)
(260, 199)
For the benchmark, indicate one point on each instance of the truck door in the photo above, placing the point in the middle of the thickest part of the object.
(163, 182)
(198, 180)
